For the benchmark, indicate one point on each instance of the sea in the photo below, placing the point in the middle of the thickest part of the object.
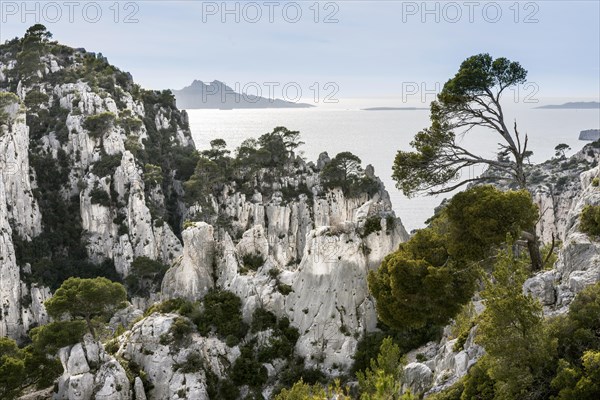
(376, 136)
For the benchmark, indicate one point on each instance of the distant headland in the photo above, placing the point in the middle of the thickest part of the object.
(578, 105)
(394, 108)
(217, 95)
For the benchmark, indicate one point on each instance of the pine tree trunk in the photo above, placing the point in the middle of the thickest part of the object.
(90, 327)
(535, 254)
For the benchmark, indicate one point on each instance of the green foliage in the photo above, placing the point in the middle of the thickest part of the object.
(247, 370)
(560, 150)
(344, 171)
(87, 299)
(590, 220)
(578, 330)
(596, 182)
(372, 224)
(420, 284)
(145, 276)
(579, 383)
(153, 174)
(281, 343)
(180, 330)
(99, 124)
(106, 165)
(481, 217)
(253, 261)
(304, 391)
(55, 335)
(99, 196)
(222, 389)
(263, 320)
(383, 379)
(479, 384)
(454, 392)
(6, 99)
(222, 313)
(177, 305)
(12, 369)
(34, 98)
(511, 330)
(284, 289)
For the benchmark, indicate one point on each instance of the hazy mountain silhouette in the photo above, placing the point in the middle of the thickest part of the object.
(581, 105)
(217, 95)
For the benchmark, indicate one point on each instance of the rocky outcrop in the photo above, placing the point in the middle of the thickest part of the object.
(143, 237)
(192, 275)
(314, 256)
(590, 134)
(146, 347)
(578, 263)
(91, 373)
(22, 207)
(10, 282)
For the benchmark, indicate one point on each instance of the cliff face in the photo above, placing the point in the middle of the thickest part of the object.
(76, 135)
(315, 243)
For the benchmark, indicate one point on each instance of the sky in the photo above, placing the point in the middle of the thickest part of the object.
(328, 49)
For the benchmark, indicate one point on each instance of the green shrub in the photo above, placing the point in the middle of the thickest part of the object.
(284, 289)
(596, 182)
(35, 98)
(181, 329)
(222, 389)
(55, 335)
(263, 320)
(153, 174)
(247, 370)
(99, 124)
(590, 220)
(169, 306)
(222, 312)
(192, 364)
(99, 196)
(145, 276)
(372, 224)
(107, 165)
(253, 261)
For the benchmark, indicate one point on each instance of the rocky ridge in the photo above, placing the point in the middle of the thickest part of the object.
(80, 132)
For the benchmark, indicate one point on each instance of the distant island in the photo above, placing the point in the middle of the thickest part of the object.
(394, 108)
(590, 134)
(578, 105)
(217, 95)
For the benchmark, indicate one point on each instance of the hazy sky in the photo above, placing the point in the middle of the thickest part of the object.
(368, 48)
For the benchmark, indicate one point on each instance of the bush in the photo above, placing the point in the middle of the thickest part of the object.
(247, 370)
(192, 364)
(145, 276)
(263, 320)
(55, 335)
(284, 289)
(373, 224)
(107, 165)
(99, 124)
(222, 312)
(181, 329)
(590, 220)
(253, 261)
(35, 98)
(99, 196)
(169, 306)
